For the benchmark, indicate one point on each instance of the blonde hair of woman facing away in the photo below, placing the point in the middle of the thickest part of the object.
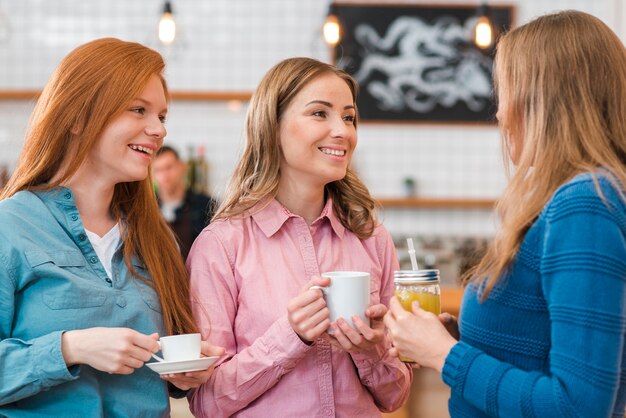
(562, 112)
(293, 210)
(257, 173)
(557, 264)
(91, 272)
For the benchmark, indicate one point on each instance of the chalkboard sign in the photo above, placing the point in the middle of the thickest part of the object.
(419, 63)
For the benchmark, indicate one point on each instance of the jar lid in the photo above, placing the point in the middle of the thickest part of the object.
(416, 276)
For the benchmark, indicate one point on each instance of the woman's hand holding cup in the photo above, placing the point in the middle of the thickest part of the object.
(418, 335)
(111, 350)
(307, 313)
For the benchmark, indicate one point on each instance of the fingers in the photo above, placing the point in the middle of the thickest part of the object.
(305, 298)
(352, 340)
(188, 380)
(209, 350)
(376, 311)
(355, 337)
(140, 347)
(343, 341)
(308, 314)
(389, 320)
(367, 332)
(314, 332)
(395, 308)
(415, 307)
(300, 313)
(451, 324)
(315, 281)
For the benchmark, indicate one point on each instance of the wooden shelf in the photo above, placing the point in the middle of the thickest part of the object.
(436, 203)
(451, 298)
(19, 94)
(196, 96)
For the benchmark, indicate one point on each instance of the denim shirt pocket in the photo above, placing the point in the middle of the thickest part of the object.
(75, 295)
(58, 258)
(147, 292)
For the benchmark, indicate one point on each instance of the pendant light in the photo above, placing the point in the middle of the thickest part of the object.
(332, 28)
(483, 31)
(167, 25)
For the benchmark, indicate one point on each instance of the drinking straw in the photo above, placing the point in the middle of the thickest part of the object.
(409, 241)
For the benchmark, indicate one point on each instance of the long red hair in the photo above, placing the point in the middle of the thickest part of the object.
(93, 84)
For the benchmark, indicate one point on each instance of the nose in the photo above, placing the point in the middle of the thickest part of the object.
(156, 128)
(340, 128)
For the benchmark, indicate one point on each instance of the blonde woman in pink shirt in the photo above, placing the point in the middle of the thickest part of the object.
(294, 209)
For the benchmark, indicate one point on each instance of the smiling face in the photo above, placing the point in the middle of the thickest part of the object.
(126, 146)
(317, 132)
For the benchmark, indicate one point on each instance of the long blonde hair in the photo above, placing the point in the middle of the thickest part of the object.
(257, 173)
(93, 84)
(563, 83)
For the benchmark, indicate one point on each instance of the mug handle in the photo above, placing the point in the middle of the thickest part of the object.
(157, 357)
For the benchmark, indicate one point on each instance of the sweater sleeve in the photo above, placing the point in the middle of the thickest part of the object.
(583, 273)
(242, 376)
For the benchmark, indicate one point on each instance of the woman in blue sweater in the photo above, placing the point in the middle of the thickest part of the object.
(543, 319)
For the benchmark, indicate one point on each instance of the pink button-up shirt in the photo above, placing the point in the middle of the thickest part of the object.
(243, 274)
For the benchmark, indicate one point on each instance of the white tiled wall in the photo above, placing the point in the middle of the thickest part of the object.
(228, 45)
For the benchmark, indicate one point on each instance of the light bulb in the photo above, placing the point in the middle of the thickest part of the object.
(167, 25)
(332, 30)
(483, 34)
(167, 29)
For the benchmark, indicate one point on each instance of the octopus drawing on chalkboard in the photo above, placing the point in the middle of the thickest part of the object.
(427, 68)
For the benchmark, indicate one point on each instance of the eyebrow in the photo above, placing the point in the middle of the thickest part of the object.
(139, 99)
(328, 104)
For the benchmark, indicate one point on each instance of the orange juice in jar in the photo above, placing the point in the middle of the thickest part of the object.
(421, 286)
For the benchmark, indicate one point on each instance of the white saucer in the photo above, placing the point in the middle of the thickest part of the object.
(168, 367)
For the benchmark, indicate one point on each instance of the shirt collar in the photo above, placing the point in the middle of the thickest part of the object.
(58, 194)
(270, 217)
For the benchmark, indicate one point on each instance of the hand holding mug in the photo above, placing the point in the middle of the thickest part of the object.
(367, 337)
(111, 350)
(307, 312)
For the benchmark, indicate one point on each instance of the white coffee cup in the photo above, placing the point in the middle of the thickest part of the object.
(179, 347)
(347, 295)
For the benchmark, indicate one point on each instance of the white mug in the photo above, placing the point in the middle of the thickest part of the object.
(347, 295)
(179, 347)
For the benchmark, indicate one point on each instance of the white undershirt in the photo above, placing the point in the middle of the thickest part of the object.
(105, 246)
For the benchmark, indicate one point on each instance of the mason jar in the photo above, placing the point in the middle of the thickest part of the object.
(421, 286)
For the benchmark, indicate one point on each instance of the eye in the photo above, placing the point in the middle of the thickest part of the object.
(349, 118)
(162, 118)
(139, 110)
(319, 113)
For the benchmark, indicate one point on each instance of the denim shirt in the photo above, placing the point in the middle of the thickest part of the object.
(51, 281)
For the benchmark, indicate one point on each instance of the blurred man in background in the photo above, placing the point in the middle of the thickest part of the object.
(186, 212)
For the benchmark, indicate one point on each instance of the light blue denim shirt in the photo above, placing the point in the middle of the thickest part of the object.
(51, 281)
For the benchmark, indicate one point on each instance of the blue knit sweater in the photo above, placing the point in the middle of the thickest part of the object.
(549, 340)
